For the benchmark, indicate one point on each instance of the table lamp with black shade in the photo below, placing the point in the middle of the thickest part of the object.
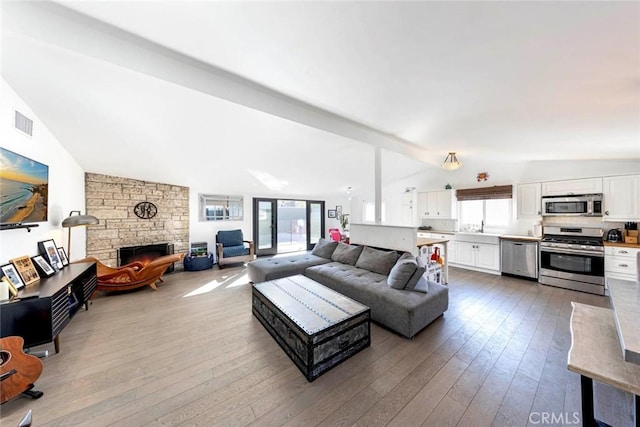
(76, 219)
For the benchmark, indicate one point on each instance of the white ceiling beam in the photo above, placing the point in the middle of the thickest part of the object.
(64, 28)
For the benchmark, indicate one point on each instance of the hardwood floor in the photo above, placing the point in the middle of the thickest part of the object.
(191, 353)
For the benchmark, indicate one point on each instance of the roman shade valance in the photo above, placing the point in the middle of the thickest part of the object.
(484, 193)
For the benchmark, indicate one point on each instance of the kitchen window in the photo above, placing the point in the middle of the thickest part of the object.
(488, 214)
(480, 209)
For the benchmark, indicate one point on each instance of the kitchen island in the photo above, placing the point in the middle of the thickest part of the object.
(625, 301)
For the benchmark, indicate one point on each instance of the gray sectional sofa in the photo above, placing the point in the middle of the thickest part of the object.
(391, 284)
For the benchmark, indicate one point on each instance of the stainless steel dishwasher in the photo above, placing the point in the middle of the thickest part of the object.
(519, 258)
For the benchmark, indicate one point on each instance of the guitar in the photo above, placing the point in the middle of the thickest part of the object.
(18, 370)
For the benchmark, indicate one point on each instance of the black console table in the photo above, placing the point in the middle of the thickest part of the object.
(44, 308)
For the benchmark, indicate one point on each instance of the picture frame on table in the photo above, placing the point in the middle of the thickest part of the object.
(13, 292)
(49, 251)
(331, 213)
(42, 265)
(25, 268)
(11, 274)
(63, 256)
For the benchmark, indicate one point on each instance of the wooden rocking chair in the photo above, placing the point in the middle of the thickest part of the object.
(132, 275)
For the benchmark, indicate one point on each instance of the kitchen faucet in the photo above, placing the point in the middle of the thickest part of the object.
(482, 226)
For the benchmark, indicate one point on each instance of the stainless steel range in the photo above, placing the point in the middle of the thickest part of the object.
(572, 258)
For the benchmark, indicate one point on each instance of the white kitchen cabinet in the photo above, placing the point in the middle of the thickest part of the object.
(481, 256)
(437, 235)
(432, 204)
(452, 256)
(621, 263)
(437, 204)
(422, 204)
(488, 256)
(408, 213)
(529, 200)
(451, 237)
(465, 253)
(444, 236)
(574, 186)
(451, 248)
(621, 198)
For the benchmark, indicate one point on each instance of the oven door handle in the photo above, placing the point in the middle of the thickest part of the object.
(571, 251)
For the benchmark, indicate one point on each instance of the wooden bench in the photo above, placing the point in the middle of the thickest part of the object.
(596, 354)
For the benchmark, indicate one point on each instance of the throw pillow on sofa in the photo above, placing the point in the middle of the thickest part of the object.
(422, 267)
(402, 271)
(376, 260)
(324, 248)
(346, 254)
(421, 286)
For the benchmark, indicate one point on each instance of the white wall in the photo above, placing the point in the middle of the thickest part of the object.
(66, 182)
(205, 231)
(386, 236)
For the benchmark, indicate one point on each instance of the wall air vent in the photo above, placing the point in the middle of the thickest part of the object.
(23, 123)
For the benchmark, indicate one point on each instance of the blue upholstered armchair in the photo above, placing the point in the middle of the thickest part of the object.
(231, 247)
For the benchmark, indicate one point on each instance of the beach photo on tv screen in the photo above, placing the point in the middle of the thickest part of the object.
(25, 189)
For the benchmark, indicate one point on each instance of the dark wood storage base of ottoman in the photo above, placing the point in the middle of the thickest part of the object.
(317, 327)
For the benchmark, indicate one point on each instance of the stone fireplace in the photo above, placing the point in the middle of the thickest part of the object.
(113, 200)
(145, 253)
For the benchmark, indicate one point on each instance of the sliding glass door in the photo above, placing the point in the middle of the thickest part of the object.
(264, 226)
(281, 225)
(315, 221)
(292, 226)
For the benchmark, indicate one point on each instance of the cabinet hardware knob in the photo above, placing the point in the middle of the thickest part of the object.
(606, 212)
(623, 265)
(623, 252)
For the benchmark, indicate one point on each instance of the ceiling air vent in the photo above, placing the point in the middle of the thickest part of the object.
(23, 123)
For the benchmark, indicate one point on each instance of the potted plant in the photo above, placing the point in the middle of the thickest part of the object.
(344, 221)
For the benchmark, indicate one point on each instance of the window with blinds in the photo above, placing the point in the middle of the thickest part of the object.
(485, 208)
(486, 193)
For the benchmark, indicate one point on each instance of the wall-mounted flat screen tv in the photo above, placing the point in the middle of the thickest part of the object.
(24, 189)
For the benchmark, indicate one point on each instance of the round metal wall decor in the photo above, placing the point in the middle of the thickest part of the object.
(145, 210)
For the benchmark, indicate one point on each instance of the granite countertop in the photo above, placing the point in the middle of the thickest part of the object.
(595, 349)
(622, 245)
(501, 236)
(625, 299)
(519, 237)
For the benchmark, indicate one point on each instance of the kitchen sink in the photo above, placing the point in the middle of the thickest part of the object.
(477, 237)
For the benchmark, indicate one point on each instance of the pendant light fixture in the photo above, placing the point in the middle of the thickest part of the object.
(451, 162)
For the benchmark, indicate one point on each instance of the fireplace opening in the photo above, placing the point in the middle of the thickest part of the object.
(145, 253)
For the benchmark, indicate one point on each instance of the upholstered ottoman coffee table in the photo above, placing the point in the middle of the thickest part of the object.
(317, 327)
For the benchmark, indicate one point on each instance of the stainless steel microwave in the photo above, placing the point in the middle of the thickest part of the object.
(572, 205)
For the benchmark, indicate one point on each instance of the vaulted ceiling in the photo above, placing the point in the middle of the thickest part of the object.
(291, 97)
